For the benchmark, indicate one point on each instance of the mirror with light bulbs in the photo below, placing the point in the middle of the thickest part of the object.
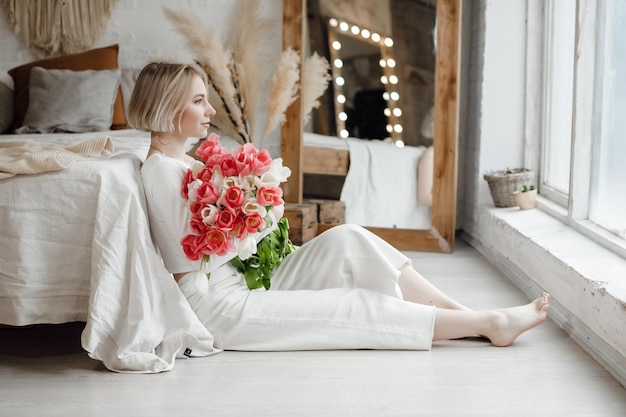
(363, 69)
(383, 56)
(426, 64)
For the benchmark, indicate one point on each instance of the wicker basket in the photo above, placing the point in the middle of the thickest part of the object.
(503, 183)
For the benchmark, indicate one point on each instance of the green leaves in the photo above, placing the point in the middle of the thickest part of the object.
(271, 251)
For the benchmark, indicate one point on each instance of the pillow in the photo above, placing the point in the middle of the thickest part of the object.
(6, 107)
(94, 59)
(70, 101)
(129, 78)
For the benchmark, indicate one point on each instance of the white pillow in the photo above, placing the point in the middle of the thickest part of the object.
(128, 80)
(70, 101)
(6, 107)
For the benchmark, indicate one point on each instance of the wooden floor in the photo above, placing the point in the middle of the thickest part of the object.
(44, 372)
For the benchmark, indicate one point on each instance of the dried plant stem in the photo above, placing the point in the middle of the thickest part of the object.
(242, 135)
(315, 79)
(240, 100)
(283, 90)
(249, 36)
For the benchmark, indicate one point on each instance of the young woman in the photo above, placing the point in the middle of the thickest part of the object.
(345, 289)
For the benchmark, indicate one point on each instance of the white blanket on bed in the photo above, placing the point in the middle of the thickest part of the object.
(34, 157)
(75, 245)
(138, 320)
(381, 187)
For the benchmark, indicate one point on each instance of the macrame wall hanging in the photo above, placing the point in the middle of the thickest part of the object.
(58, 27)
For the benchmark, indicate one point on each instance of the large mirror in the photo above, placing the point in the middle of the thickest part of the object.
(395, 80)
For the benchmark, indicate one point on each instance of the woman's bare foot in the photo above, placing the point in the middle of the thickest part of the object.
(509, 323)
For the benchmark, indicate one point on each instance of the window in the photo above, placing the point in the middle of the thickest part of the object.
(607, 205)
(583, 161)
(559, 84)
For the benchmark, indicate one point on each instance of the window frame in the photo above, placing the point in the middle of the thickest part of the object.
(572, 209)
(547, 190)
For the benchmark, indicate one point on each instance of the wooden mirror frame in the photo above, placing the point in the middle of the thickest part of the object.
(440, 237)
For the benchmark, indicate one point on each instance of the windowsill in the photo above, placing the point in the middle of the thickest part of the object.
(587, 282)
(585, 227)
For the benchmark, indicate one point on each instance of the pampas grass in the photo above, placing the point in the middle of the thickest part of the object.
(283, 90)
(249, 34)
(238, 69)
(215, 60)
(315, 79)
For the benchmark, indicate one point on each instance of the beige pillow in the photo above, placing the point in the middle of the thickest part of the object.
(6, 107)
(70, 101)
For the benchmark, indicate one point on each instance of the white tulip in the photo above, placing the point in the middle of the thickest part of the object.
(209, 213)
(246, 248)
(192, 188)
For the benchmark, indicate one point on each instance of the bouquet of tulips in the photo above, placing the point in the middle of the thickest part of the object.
(232, 199)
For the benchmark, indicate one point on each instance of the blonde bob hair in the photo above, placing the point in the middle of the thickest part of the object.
(159, 96)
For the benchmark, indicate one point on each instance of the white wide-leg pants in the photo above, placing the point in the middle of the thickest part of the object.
(338, 291)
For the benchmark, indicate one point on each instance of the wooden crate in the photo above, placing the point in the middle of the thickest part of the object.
(302, 220)
(329, 211)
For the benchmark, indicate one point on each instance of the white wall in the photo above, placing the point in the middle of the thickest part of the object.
(144, 33)
(502, 105)
(491, 134)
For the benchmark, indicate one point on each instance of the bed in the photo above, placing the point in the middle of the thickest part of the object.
(76, 246)
(75, 241)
